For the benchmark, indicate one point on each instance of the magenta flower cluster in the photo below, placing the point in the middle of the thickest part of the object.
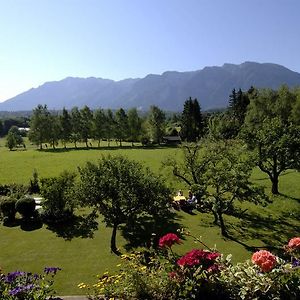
(198, 257)
(169, 240)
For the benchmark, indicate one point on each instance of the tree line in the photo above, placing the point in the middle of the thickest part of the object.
(266, 120)
(82, 125)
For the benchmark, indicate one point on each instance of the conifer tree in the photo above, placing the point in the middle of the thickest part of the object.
(192, 121)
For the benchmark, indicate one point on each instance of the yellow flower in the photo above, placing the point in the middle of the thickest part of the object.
(82, 285)
(119, 265)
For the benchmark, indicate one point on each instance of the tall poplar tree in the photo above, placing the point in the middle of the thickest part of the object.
(40, 125)
(66, 127)
(86, 124)
(110, 126)
(121, 125)
(99, 124)
(76, 125)
(134, 125)
(156, 124)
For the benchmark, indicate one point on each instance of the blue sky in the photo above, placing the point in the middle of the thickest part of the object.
(47, 40)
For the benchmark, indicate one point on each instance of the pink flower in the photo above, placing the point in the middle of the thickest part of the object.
(196, 257)
(169, 240)
(294, 243)
(265, 259)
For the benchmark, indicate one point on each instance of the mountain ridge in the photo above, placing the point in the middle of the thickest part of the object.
(210, 85)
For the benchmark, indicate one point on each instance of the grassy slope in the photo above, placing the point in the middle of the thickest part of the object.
(83, 258)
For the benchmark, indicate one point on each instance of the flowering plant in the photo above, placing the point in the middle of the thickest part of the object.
(198, 257)
(294, 243)
(28, 286)
(169, 240)
(265, 259)
(201, 273)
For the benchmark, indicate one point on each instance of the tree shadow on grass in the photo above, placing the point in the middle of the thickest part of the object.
(272, 230)
(145, 231)
(25, 224)
(105, 148)
(12, 223)
(78, 226)
(31, 224)
(289, 197)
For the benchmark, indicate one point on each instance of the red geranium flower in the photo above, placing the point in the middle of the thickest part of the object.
(265, 259)
(169, 240)
(197, 257)
(294, 243)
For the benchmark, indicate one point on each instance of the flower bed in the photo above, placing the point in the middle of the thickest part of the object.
(27, 286)
(201, 273)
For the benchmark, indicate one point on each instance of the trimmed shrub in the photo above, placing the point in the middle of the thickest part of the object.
(7, 208)
(26, 207)
(4, 190)
(18, 190)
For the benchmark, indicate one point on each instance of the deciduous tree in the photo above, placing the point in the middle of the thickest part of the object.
(134, 125)
(40, 125)
(66, 127)
(121, 125)
(86, 124)
(272, 133)
(122, 191)
(99, 124)
(156, 124)
(219, 174)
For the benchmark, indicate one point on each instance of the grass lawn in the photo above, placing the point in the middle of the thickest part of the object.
(82, 258)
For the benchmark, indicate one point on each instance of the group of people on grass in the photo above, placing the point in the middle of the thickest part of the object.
(181, 202)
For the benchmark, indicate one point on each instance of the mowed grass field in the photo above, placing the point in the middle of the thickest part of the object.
(83, 258)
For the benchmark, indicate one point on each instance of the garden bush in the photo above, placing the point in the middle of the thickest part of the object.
(14, 189)
(26, 207)
(4, 190)
(7, 208)
(18, 190)
(59, 201)
(201, 274)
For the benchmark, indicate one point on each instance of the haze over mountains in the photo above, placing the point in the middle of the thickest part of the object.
(211, 86)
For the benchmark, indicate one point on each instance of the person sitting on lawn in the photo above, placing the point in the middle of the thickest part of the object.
(192, 200)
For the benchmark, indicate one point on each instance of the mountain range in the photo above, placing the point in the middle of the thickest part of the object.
(210, 85)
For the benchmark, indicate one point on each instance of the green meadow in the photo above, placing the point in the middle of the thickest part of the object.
(82, 258)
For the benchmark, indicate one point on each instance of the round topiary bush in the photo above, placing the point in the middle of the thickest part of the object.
(26, 207)
(7, 208)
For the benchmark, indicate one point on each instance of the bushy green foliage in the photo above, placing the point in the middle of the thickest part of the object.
(246, 281)
(26, 207)
(4, 190)
(14, 138)
(271, 131)
(57, 191)
(7, 208)
(122, 191)
(156, 124)
(219, 174)
(14, 189)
